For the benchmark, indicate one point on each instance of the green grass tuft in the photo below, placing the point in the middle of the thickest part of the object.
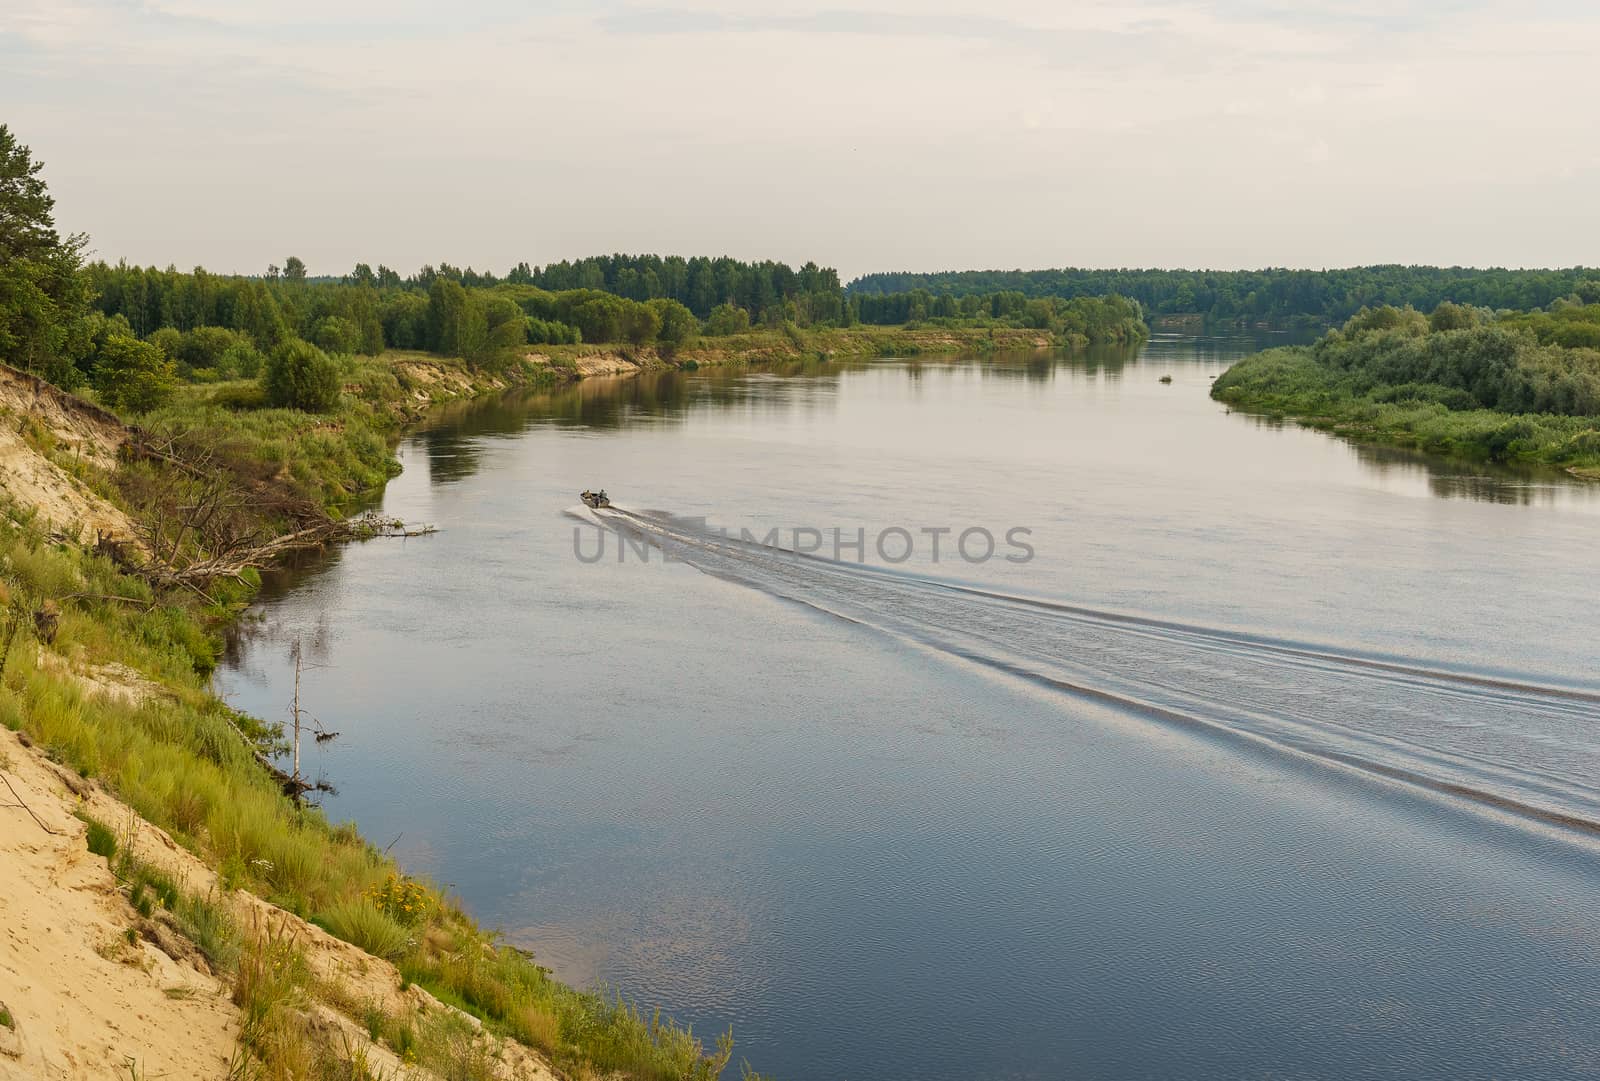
(361, 922)
(100, 838)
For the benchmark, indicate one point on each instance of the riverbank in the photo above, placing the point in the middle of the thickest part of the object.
(1486, 392)
(107, 688)
(336, 459)
(772, 346)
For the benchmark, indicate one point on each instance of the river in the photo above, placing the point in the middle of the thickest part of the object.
(1246, 751)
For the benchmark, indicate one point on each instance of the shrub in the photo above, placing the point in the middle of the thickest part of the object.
(300, 376)
(241, 360)
(134, 375)
(676, 324)
(335, 334)
(551, 332)
(725, 319)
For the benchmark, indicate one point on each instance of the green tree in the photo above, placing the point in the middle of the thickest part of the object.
(599, 319)
(293, 269)
(298, 375)
(640, 323)
(1448, 316)
(336, 334)
(404, 319)
(43, 292)
(200, 351)
(677, 324)
(167, 339)
(505, 330)
(1038, 314)
(725, 319)
(241, 360)
(133, 375)
(450, 329)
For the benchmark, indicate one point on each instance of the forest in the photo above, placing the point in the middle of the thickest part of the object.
(1316, 298)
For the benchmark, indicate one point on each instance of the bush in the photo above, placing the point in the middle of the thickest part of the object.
(551, 332)
(335, 334)
(134, 375)
(600, 318)
(640, 323)
(677, 324)
(300, 376)
(725, 319)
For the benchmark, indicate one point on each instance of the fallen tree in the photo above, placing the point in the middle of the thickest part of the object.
(198, 519)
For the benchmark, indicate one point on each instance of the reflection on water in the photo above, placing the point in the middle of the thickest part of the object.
(1486, 482)
(875, 852)
(609, 402)
(455, 436)
(1446, 477)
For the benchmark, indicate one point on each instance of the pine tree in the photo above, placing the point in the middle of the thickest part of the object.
(43, 292)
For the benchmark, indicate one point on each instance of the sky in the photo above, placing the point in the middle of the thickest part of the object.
(862, 134)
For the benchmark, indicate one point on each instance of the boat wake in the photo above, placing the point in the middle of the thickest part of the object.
(1521, 747)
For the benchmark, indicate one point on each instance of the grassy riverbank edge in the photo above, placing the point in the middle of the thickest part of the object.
(1287, 383)
(118, 692)
(792, 343)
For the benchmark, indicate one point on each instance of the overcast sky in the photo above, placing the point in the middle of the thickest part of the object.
(864, 134)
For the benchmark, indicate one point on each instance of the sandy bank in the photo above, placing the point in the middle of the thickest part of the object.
(91, 985)
(41, 427)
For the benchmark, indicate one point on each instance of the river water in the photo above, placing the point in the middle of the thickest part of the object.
(1263, 754)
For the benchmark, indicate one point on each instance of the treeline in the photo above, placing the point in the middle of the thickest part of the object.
(1307, 297)
(437, 311)
(444, 316)
(1091, 320)
(770, 292)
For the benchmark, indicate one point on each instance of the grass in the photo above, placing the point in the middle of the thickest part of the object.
(359, 921)
(271, 988)
(100, 838)
(6, 1020)
(204, 921)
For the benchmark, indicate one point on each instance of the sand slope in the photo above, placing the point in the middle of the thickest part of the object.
(80, 430)
(84, 1000)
